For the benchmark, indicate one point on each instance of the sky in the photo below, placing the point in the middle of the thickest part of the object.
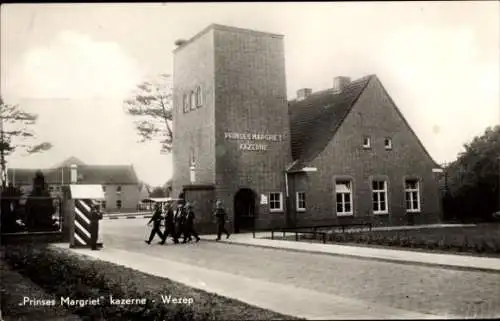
(74, 64)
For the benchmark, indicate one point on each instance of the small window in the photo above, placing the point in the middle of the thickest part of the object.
(388, 143)
(185, 103)
(379, 197)
(192, 158)
(301, 201)
(412, 195)
(193, 100)
(118, 203)
(275, 202)
(104, 189)
(199, 97)
(343, 192)
(103, 204)
(118, 189)
(366, 142)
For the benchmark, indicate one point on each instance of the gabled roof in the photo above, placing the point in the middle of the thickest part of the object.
(70, 161)
(314, 120)
(89, 174)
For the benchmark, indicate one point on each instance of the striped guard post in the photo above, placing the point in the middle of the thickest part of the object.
(82, 211)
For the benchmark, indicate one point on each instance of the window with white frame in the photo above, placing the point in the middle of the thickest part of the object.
(275, 202)
(185, 103)
(199, 97)
(412, 195)
(118, 203)
(366, 142)
(301, 201)
(379, 192)
(118, 189)
(388, 143)
(193, 100)
(343, 192)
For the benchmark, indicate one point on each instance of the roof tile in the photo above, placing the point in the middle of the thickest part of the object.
(90, 174)
(314, 120)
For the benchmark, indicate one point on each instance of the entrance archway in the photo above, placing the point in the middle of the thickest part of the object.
(244, 210)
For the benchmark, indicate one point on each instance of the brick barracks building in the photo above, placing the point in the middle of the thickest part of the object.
(344, 154)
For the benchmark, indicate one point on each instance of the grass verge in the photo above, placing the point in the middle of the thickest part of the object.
(481, 240)
(62, 274)
(13, 287)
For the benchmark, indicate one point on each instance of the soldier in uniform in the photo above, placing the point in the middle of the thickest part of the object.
(156, 220)
(189, 225)
(169, 224)
(95, 216)
(179, 218)
(220, 215)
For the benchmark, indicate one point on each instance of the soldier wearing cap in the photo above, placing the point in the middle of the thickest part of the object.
(156, 220)
(179, 218)
(95, 216)
(189, 224)
(169, 224)
(221, 216)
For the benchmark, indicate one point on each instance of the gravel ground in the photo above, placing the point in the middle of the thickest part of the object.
(465, 294)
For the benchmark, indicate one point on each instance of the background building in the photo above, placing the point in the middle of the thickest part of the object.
(342, 154)
(120, 183)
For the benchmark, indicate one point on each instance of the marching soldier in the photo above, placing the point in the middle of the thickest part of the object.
(179, 221)
(220, 215)
(189, 227)
(95, 216)
(169, 224)
(156, 220)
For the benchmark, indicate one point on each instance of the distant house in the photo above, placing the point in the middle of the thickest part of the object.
(120, 183)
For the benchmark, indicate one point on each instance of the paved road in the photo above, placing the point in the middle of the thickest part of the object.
(417, 288)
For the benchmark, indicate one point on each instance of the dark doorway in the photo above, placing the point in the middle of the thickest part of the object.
(244, 210)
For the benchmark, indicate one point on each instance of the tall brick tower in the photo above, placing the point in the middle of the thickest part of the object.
(231, 127)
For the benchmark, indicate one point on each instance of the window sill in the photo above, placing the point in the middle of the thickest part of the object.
(301, 210)
(366, 147)
(380, 213)
(413, 211)
(345, 214)
(276, 211)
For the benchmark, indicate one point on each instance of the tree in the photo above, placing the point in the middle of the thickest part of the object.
(473, 179)
(151, 106)
(16, 133)
(158, 192)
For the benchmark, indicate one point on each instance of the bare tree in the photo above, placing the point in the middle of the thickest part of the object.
(151, 106)
(16, 132)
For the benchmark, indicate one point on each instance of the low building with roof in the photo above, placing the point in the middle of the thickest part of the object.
(120, 183)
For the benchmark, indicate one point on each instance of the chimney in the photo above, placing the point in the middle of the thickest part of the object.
(74, 174)
(303, 93)
(180, 42)
(339, 83)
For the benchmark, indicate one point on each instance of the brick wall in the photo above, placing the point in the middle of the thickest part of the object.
(194, 131)
(344, 157)
(250, 98)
